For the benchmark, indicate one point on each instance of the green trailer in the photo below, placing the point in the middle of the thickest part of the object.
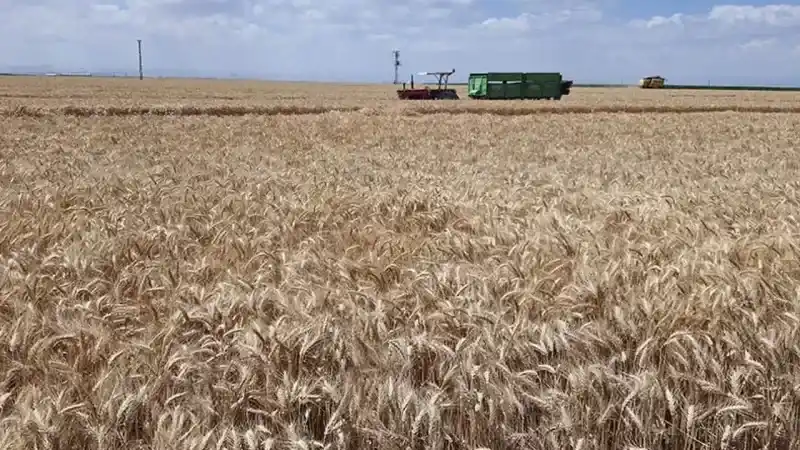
(518, 85)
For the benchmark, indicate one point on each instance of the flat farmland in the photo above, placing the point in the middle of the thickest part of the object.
(131, 96)
(392, 275)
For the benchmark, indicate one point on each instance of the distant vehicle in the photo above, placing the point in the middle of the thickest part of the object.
(655, 82)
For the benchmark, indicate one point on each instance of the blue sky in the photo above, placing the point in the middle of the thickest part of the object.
(351, 40)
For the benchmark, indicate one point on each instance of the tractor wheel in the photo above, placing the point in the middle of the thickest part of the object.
(449, 95)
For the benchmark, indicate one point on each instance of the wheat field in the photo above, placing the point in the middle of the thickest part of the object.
(326, 267)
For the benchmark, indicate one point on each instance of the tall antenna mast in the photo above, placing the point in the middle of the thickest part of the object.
(396, 54)
(141, 68)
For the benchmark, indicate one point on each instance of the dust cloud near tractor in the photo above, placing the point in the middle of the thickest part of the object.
(518, 85)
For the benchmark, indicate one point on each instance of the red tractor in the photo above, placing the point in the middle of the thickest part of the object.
(441, 92)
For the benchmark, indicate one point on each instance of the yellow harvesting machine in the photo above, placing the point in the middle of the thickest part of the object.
(652, 83)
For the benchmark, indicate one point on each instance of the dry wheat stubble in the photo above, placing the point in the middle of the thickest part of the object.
(383, 281)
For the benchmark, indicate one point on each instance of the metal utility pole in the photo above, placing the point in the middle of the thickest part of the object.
(396, 54)
(141, 69)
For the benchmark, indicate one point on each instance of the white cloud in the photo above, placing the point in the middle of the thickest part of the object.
(542, 21)
(658, 21)
(759, 44)
(772, 15)
(352, 39)
(515, 24)
(771, 19)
